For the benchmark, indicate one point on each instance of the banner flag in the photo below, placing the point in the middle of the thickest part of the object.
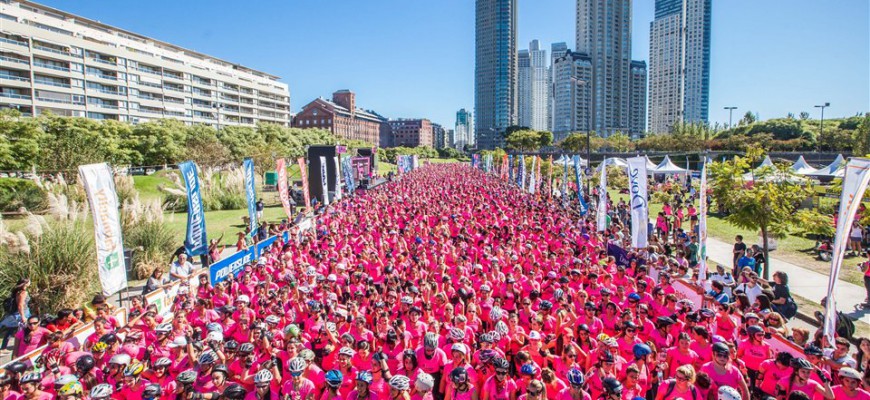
(196, 240)
(583, 207)
(251, 193)
(303, 172)
(637, 188)
(531, 188)
(538, 173)
(338, 194)
(415, 163)
(550, 172)
(702, 224)
(510, 168)
(323, 180)
(100, 187)
(283, 190)
(347, 169)
(521, 178)
(601, 217)
(855, 180)
(565, 184)
(504, 166)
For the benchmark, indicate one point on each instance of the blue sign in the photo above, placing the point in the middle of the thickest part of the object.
(196, 240)
(234, 264)
(251, 193)
(583, 207)
(510, 167)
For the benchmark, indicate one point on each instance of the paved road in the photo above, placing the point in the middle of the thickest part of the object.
(803, 282)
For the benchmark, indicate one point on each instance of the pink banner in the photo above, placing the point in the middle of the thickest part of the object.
(304, 172)
(283, 191)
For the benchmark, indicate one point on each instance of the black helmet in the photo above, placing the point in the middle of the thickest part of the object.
(85, 364)
(221, 368)
(109, 338)
(813, 350)
(801, 363)
(459, 375)
(16, 367)
(235, 392)
(231, 345)
(186, 377)
(612, 386)
(152, 391)
(500, 363)
(720, 348)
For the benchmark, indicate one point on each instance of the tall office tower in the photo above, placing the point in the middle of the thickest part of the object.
(495, 71)
(637, 100)
(604, 33)
(572, 94)
(679, 68)
(533, 88)
(464, 130)
(556, 50)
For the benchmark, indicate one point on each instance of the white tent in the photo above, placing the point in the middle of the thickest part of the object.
(800, 167)
(767, 162)
(613, 161)
(563, 159)
(669, 168)
(832, 170)
(650, 166)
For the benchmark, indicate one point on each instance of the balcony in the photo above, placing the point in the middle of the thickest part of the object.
(104, 76)
(14, 77)
(15, 96)
(149, 71)
(172, 100)
(49, 66)
(174, 88)
(60, 101)
(50, 82)
(13, 41)
(15, 60)
(104, 105)
(54, 50)
(104, 61)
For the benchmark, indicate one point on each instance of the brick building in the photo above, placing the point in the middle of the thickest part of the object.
(343, 118)
(412, 132)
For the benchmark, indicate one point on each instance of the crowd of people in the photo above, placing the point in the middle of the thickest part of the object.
(449, 283)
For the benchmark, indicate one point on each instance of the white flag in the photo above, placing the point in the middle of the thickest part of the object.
(324, 181)
(532, 176)
(702, 225)
(100, 188)
(637, 188)
(602, 198)
(855, 180)
(337, 178)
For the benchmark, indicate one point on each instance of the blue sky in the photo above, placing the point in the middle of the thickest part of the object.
(415, 58)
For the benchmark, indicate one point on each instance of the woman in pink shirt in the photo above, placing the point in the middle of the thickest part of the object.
(772, 371)
(753, 351)
(800, 380)
(680, 354)
(30, 337)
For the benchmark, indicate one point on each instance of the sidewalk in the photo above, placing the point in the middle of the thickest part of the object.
(805, 283)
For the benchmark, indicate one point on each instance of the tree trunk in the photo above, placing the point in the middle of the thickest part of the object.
(766, 271)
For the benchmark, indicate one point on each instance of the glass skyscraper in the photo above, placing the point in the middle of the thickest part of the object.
(495, 70)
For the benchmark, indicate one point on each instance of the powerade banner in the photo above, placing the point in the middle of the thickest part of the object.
(303, 173)
(510, 167)
(251, 193)
(100, 188)
(196, 240)
(234, 264)
(415, 163)
(338, 193)
(323, 181)
(601, 217)
(583, 207)
(637, 188)
(283, 190)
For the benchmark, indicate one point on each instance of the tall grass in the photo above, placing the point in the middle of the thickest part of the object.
(220, 189)
(147, 233)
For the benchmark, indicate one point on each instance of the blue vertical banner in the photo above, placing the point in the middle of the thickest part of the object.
(196, 239)
(347, 169)
(583, 207)
(521, 175)
(510, 167)
(251, 193)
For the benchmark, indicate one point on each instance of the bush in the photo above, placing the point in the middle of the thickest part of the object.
(21, 193)
(220, 190)
(148, 235)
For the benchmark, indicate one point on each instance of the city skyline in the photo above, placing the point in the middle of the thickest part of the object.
(748, 67)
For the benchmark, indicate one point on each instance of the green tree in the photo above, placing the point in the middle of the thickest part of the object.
(619, 142)
(862, 137)
(204, 147)
(768, 205)
(528, 140)
(70, 142)
(158, 142)
(576, 142)
(748, 119)
(19, 140)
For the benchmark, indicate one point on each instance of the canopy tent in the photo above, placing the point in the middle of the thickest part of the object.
(668, 168)
(832, 170)
(613, 162)
(767, 162)
(563, 159)
(650, 166)
(800, 167)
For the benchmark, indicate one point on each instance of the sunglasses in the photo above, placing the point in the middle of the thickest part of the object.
(682, 378)
(532, 393)
(501, 372)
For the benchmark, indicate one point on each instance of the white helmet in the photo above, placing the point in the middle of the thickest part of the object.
(263, 376)
(425, 382)
(400, 382)
(296, 365)
(729, 393)
(101, 391)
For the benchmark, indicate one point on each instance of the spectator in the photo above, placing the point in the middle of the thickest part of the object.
(16, 310)
(181, 269)
(155, 281)
(30, 337)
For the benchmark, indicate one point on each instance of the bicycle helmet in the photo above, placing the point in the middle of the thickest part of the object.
(272, 320)
(486, 355)
(607, 357)
(109, 338)
(16, 367)
(31, 377)
(502, 328)
(85, 363)
(235, 392)
(575, 377)
(99, 347)
(101, 391)
(721, 348)
(291, 330)
(246, 348)
(214, 336)
(612, 386)
(801, 363)
(400, 382)
(73, 388)
(208, 357)
(813, 350)
(162, 362)
(120, 359)
(487, 338)
(346, 351)
(495, 314)
(641, 350)
(152, 391)
(65, 379)
(134, 369)
(729, 393)
(558, 293)
(430, 341)
(307, 355)
(263, 376)
(457, 334)
(165, 327)
(847, 372)
(459, 375)
(545, 305)
(500, 363)
(186, 377)
(364, 376)
(424, 383)
(754, 329)
(296, 366)
(334, 378)
(221, 368)
(528, 369)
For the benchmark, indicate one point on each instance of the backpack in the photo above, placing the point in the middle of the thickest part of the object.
(672, 384)
(9, 307)
(845, 325)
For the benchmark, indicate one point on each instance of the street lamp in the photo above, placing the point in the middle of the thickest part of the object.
(730, 113)
(822, 121)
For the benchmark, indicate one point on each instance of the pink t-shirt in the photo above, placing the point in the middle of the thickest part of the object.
(772, 374)
(431, 365)
(732, 377)
(809, 388)
(754, 354)
(300, 392)
(495, 391)
(679, 359)
(565, 394)
(839, 394)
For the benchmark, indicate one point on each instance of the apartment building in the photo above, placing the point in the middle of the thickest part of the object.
(412, 132)
(344, 119)
(53, 61)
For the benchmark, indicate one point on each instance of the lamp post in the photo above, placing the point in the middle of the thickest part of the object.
(730, 114)
(822, 122)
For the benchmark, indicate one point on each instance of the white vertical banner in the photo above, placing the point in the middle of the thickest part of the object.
(855, 180)
(637, 188)
(324, 182)
(100, 188)
(702, 224)
(337, 178)
(602, 198)
(532, 176)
